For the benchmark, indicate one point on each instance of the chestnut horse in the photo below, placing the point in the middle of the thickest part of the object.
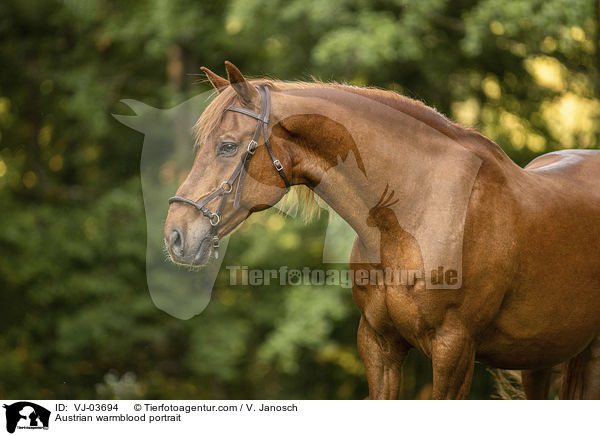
(527, 294)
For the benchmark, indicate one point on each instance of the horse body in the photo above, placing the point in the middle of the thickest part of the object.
(551, 310)
(527, 240)
(531, 294)
(531, 291)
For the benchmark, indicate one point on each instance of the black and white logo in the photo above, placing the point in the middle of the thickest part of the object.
(26, 415)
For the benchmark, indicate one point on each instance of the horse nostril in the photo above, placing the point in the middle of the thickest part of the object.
(176, 242)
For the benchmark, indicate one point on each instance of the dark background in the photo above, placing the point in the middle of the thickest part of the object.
(76, 319)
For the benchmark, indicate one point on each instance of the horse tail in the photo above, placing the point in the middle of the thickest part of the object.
(508, 384)
(573, 377)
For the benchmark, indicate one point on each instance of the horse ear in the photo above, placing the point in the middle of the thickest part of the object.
(244, 89)
(217, 81)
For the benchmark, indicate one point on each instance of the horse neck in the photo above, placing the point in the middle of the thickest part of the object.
(348, 148)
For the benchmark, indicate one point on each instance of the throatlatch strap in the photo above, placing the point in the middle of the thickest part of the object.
(266, 97)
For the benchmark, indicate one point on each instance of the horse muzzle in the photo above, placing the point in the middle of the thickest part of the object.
(189, 250)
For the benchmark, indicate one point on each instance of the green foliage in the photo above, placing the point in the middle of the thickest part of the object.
(77, 320)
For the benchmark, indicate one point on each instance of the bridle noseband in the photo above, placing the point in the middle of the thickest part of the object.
(239, 173)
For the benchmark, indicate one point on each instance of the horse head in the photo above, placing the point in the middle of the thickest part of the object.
(234, 140)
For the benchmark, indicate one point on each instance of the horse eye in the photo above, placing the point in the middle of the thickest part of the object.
(228, 148)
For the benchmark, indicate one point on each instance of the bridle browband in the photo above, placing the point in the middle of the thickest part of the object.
(239, 173)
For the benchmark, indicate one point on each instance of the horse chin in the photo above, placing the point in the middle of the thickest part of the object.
(203, 253)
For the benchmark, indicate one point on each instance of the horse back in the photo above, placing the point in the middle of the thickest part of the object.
(581, 166)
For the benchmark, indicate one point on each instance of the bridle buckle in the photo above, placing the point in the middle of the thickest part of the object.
(215, 219)
(278, 165)
(252, 147)
(226, 183)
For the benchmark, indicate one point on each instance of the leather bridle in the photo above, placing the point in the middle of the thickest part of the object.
(239, 173)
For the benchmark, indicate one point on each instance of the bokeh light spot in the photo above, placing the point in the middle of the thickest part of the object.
(497, 28)
(29, 179)
(56, 162)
